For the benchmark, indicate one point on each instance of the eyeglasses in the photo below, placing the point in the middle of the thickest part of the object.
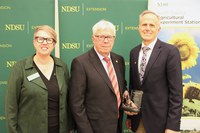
(103, 37)
(41, 40)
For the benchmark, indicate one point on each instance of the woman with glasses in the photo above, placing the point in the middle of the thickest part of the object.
(36, 100)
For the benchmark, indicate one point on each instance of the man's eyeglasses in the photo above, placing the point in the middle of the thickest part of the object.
(103, 37)
(41, 40)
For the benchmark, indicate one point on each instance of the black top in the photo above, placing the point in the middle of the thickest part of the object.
(53, 100)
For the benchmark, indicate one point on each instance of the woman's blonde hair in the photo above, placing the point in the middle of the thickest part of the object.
(47, 29)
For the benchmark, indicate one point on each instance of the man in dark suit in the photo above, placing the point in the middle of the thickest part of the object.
(94, 102)
(157, 72)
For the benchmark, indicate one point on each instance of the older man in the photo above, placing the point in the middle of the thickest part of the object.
(97, 83)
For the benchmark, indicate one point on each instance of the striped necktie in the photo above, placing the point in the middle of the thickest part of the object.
(113, 80)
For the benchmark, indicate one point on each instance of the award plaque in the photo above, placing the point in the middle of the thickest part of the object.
(135, 97)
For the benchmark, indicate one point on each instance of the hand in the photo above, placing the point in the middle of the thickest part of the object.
(128, 123)
(131, 104)
(130, 113)
(171, 131)
(126, 95)
(126, 98)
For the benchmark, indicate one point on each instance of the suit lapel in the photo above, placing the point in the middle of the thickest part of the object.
(154, 55)
(30, 70)
(95, 61)
(60, 72)
(59, 76)
(135, 61)
(39, 82)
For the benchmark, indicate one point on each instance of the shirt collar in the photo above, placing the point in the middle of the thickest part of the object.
(151, 45)
(99, 55)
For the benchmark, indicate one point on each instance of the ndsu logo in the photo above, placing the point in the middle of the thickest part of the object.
(70, 9)
(10, 63)
(117, 27)
(71, 45)
(14, 27)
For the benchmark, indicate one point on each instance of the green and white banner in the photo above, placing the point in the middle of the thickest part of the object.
(180, 22)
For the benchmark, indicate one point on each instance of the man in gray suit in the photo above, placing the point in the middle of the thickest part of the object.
(157, 72)
(94, 102)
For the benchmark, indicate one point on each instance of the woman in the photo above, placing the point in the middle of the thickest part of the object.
(36, 100)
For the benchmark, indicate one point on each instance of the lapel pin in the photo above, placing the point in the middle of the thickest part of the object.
(116, 61)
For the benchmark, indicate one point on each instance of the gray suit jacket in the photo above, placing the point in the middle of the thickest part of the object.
(92, 98)
(162, 86)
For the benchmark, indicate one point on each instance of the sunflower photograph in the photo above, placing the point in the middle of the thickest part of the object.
(187, 47)
(191, 99)
(188, 42)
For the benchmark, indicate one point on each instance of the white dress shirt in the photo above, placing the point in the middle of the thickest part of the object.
(151, 46)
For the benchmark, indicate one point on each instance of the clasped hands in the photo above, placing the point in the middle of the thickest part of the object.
(127, 101)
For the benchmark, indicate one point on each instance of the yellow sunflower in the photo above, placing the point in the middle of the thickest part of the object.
(187, 47)
(191, 90)
(186, 76)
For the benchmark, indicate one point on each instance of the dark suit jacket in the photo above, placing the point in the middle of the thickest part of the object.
(162, 86)
(92, 98)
